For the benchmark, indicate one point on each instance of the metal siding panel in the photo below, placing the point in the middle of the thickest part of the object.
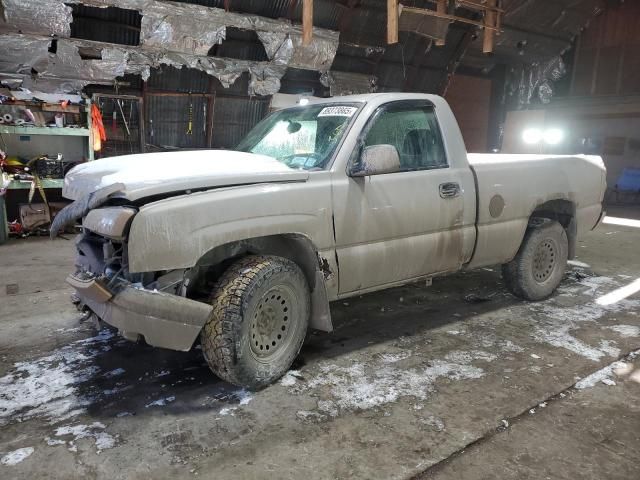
(234, 117)
(184, 80)
(168, 118)
(326, 12)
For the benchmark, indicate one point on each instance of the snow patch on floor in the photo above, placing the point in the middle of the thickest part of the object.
(161, 402)
(394, 357)
(558, 321)
(52, 442)
(362, 386)
(603, 375)
(47, 386)
(244, 397)
(290, 378)
(626, 330)
(95, 431)
(606, 375)
(579, 264)
(114, 373)
(17, 456)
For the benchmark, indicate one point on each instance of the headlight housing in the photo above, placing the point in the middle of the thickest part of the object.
(110, 222)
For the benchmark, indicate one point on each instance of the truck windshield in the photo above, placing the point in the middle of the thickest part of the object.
(303, 137)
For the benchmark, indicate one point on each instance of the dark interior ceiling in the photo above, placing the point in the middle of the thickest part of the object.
(534, 31)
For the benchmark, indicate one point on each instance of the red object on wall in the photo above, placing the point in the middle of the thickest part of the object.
(99, 134)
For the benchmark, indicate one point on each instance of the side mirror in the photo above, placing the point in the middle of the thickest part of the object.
(375, 160)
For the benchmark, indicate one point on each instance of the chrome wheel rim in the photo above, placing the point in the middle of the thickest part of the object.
(544, 260)
(271, 325)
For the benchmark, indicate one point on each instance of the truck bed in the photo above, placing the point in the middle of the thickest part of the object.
(508, 185)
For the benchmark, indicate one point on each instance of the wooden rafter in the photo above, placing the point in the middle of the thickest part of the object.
(490, 20)
(453, 18)
(392, 21)
(307, 22)
(441, 8)
(491, 23)
(483, 7)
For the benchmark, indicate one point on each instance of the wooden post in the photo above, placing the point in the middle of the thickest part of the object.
(392, 21)
(441, 8)
(489, 21)
(307, 22)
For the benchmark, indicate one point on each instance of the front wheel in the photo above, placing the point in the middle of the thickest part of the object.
(539, 266)
(259, 322)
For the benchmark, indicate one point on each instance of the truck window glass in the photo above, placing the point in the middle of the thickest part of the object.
(302, 138)
(415, 134)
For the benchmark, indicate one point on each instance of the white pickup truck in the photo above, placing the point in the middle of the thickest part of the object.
(245, 249)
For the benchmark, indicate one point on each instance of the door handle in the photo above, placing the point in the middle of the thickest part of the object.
(449, 190)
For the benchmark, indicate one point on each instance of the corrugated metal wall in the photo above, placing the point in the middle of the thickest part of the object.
(170, 79)
(221, 117)
(168, 120)
(234, 117)
(326, 13)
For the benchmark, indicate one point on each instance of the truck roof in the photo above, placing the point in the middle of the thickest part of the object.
(378, 98)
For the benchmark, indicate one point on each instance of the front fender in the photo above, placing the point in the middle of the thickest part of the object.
(176, 232)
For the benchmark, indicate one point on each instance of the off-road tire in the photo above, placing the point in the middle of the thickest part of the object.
(229, 341)
(538, 268)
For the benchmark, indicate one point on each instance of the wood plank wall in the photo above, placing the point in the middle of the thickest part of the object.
(607, 58)
(470, 100)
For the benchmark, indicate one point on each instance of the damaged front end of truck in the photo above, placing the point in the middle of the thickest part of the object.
(150, 305)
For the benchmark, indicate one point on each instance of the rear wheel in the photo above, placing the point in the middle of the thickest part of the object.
(539, 266)
(259, 321)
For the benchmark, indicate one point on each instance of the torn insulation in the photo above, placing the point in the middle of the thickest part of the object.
(347, 83)
(175, 34)
(537, 79)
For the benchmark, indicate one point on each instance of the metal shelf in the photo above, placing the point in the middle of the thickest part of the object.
(71, 132)
(26, 184)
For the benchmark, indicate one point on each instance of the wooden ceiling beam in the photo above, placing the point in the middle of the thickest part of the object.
(441, 8)
(490, 22)
(482, 7)
(392, 21)
(307, 22)
(453, 18)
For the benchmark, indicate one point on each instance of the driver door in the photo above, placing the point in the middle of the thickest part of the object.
(398, 226)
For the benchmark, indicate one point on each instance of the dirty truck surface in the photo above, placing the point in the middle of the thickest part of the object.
(408, 377)
(244, 250)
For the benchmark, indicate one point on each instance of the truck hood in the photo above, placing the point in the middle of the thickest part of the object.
(150, 174)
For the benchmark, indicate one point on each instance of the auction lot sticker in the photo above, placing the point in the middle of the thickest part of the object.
(337, 111)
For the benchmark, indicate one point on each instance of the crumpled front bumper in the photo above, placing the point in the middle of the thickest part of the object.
(164, 320)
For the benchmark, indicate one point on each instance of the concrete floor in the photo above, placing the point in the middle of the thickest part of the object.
(456, 381)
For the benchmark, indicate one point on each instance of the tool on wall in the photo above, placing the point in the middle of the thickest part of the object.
(204, 116)
(124, 118)
(190, 121)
